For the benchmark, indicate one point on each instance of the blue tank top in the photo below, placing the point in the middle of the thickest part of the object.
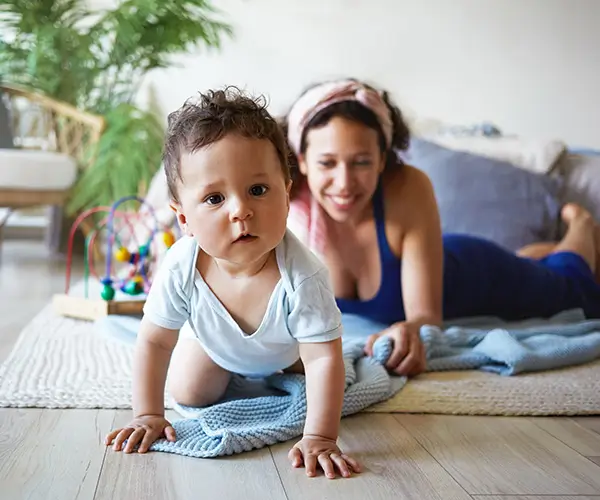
(387, 304)
(483, 279)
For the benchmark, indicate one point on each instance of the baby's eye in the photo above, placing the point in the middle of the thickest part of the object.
(214, 199)
(258, 190)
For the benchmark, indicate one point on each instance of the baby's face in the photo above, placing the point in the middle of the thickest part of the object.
(234, 199)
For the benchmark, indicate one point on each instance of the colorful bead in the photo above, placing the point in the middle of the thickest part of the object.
(108, 292)
(133, 288)
(122, 254)
(168, 238)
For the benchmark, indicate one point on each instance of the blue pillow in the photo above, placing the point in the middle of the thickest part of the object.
(489, 198)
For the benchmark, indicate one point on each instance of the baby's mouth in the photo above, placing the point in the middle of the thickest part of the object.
(245, 238)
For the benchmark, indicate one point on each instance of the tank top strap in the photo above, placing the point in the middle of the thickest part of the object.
(379, 213)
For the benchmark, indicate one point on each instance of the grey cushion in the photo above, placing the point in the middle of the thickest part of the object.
(485, 197)
(6, 137)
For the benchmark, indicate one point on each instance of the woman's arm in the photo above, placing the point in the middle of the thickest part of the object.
(414, 217)
(422, 252)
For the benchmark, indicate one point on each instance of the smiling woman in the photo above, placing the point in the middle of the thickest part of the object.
(375, 222)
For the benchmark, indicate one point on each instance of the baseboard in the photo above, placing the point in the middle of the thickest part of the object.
(23, 233)
(28, 225)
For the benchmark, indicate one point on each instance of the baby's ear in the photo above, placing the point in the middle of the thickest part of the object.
(181, 218)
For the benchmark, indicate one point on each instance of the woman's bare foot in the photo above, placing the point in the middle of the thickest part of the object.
(572, 212)
(582, 225)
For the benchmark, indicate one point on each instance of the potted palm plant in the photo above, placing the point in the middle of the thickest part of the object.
(97, 60)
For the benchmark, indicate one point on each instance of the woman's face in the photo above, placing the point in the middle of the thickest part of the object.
(342, 164)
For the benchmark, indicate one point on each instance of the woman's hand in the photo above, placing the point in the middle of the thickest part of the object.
(144, 429)
(311, 450)
(408, 354)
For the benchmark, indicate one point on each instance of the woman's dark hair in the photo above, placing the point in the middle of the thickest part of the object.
(354, 111)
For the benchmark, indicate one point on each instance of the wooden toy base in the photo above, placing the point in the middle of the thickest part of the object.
(92, 309)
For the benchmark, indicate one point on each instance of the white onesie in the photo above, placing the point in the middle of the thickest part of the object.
(301, 308)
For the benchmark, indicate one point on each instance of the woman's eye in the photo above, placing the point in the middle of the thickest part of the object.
(327, 163)
(363, 163)
(258, 190)
(214, 199)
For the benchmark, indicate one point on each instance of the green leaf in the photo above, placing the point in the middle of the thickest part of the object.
(129, 153)
(97, 61)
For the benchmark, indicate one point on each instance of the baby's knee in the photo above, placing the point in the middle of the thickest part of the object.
(188, 393)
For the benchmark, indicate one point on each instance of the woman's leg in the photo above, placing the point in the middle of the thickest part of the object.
(582, 238)
(194, 378)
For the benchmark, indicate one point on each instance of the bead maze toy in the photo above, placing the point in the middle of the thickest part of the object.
(128, 265)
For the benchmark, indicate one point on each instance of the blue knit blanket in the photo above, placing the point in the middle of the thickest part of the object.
(257, 413)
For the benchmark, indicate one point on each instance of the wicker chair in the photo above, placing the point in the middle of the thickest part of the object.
(51, 141)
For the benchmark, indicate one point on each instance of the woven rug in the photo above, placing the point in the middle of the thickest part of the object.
(63, 363)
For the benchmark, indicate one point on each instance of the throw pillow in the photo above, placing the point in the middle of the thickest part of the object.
(489, 198)
(582, 180)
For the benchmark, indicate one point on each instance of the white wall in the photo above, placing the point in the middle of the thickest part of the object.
(530, 66)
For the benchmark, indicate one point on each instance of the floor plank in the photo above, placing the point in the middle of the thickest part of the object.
(28, 279)
(530, 497)
(503, 456)
(571, 433)
(164, 476)
(591, 423)
(396, 466)
(51, 454)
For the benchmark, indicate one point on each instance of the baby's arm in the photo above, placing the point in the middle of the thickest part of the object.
(154, 347)
(325, 386)
(325, 383)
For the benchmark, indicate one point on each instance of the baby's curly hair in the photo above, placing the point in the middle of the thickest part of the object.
(210, 117)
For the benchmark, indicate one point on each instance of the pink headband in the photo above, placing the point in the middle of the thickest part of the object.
(326, 94)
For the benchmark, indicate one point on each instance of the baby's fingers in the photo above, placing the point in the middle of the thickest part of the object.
(121, 438)
(341, 465)
(356, 467)
(170, 433)
(310, 463)
(327, 465)
(295, 456)
(147, 441)
(134, 439)
(111, 436)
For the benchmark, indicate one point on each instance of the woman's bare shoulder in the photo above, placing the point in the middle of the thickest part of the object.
(407, 187)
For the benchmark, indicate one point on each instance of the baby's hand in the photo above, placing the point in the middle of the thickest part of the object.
(312, 449)
(145, 430)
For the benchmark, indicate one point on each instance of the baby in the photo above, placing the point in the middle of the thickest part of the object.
(238, 293)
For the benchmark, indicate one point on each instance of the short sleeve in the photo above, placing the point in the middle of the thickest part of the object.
(166, 304)
(314, 315)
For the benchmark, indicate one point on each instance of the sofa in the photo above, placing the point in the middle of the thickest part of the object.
(43, 144)
(508, 189)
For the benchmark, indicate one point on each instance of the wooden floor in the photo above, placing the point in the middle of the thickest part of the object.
(56, 454)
